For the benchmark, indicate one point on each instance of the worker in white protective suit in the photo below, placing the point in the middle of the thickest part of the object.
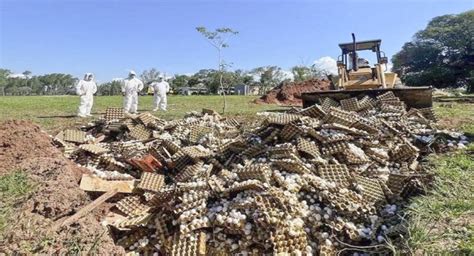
(160, 88)
(86, 88)
(130, 89)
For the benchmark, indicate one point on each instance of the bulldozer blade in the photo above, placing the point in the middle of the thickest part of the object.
(414, 97)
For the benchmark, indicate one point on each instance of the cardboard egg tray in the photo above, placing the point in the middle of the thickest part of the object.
(338, 173)
(162, 223)
(192, 244)
(347, 129)
(328, 103)
(307, 147)
(190, 215)
(346, 204)
(114, 114)
(315, 111)
(412, 188)
(188, 186)
(231, 122)
(146, 118)
(365, 125)
(367, 103)
(139, 132)
(197, 132)
(290, 131)
(196, 152)
(165, 195)
(254, 150)
(260, 172)
(292, 165)
(191, 196)
(196, 224)
(285, 243)
(93, 149)
(181, 161)
(388, 108)
(334, 148)
(386, 96)
(151, 181)
(328, 139)
(282, 119)
(132, 206)
(190, 172)
(246, 185)
(404, 152)
(351, 158)
(132, 237)
(216, 185)
(74, 136)
(351, 104)
(283, 151)
(135, 221)
(429, 114)
(182, 206)
(371, 189)
(336, 118)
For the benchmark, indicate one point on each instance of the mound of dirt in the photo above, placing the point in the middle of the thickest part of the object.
(290, 93)
(23, 146)
(20, 140)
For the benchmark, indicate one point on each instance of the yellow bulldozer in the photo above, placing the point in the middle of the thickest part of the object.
(356, 78)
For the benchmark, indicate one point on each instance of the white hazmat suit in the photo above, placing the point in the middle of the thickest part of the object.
(159, 95)
(86, 88)
(130, 88)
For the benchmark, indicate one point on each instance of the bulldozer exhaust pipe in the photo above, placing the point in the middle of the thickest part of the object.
(354, 54)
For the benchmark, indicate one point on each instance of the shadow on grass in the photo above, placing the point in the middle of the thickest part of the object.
(57, 116)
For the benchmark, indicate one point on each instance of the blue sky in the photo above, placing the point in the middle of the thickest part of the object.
(109, 38)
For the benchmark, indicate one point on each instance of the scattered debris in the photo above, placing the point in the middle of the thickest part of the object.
(55, 196)
(312, 181)
(87, 209)
(290, 93)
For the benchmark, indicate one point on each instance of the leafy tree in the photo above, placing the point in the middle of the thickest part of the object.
(218, 39)
(270, 76)
(441, 55)
(3, 79)
(302, 73)
(179, 81)
(148, 76)
(27, 74)
(110, 88)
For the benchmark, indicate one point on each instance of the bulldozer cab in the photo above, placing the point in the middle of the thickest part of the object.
(356, 72)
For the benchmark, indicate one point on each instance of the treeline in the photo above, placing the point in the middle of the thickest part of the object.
(264, 78)
(26, 84)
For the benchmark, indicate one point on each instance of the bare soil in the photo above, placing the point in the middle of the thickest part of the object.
(290, 93)
(23, 146)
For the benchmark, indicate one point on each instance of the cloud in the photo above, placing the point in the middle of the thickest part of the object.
(326, 64)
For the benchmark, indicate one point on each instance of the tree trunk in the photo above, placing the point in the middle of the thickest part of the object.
(220, 83)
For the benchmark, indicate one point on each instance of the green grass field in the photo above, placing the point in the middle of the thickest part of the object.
(441, 222)
(55, 112)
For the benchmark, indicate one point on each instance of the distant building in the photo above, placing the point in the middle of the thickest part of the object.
(228, 90)
(192, 90)
(243, 89)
